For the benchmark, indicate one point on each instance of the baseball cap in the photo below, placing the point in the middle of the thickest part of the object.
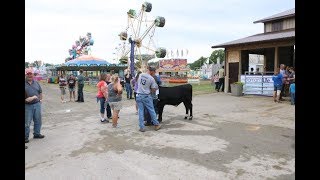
(28, 71)
(152, 69)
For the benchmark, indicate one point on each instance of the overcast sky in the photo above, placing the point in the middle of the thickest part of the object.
(53, 26)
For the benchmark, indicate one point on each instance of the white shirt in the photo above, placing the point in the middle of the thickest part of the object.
(221, 73)
(145, 83)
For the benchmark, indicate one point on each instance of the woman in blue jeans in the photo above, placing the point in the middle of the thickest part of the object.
(102, 96)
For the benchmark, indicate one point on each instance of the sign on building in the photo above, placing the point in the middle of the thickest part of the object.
(257, 84)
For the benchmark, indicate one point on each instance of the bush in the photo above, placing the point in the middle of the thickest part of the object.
(241, 83)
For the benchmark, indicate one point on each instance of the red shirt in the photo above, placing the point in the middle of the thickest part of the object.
(99, 86)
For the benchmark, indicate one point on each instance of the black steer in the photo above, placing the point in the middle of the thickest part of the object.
(174, 96)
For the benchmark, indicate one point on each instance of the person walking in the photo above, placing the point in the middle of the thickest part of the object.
(108, 108)
(292, 91)
(114, 98)
(80, 80)
(215, 80)
(71, 85)
(154, 96)
(146, 85)
(33, 98)
(284, 78)
(102, 96)
(221, 79)
(277, 85)
(127, 79)
(62, 87)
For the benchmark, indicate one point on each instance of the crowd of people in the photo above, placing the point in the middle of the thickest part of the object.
(283, 80)
(143, 86)
(284, 84)
(71, 82)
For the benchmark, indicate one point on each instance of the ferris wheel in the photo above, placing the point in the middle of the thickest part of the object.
(141, 30)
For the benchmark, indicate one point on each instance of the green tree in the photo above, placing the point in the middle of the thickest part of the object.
(215, 55)
(48, 64)
(198, 63)
(36, 64)
(26, 64)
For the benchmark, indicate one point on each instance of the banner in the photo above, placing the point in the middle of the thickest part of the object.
(257, 84)
(173, 65)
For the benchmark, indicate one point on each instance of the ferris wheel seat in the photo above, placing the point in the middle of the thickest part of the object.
(147, 7)
(160, 21)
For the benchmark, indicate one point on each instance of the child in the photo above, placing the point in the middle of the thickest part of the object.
(277, 85)
(216, 81)
(292, 91)
(62, 86)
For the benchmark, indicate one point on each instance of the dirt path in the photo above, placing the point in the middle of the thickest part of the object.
(230, 137)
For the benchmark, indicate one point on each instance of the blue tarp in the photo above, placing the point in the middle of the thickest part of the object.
(76, 62)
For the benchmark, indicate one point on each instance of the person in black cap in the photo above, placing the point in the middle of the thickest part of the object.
(146, 85)
(80, 80)
(154, 96)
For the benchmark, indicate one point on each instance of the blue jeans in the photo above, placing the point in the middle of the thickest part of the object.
(80, 92)
(155, 102)
(109, 114)
(277, 87)
(293, 98)
(101, 100)
(146, 101)
(147, 116)
(102, 107)
(129, 90)
(32, 112)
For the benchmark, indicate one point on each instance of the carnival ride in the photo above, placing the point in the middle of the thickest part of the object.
(81, 47)
(141, 32)
(87, 60)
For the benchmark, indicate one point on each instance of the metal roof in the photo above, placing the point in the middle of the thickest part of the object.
(272, 36)
(285, 14)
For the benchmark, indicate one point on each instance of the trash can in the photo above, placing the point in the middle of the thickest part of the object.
(236, 89)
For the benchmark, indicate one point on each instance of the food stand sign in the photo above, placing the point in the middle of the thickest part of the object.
(173, 64)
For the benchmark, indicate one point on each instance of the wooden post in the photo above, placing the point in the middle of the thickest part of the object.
(226, 72)
(264, 63)
(240, 66)
(276, 59)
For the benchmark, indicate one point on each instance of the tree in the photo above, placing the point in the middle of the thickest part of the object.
(198, 63)
(215, 55)
(47, 65)
(26, 64)
(37, 64)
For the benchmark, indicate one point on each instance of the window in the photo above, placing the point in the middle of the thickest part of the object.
(277, 26)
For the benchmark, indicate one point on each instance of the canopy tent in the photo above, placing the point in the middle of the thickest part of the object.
(87, 60)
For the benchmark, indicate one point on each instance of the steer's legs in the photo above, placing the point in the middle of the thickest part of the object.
(160, 110)
(190, 107)
(187, 108)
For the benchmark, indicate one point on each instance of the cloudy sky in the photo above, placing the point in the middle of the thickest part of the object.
(53, 26)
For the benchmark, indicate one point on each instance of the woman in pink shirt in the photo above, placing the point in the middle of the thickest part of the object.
(102, 95)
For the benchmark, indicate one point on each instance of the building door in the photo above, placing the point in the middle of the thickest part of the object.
(233, 73)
